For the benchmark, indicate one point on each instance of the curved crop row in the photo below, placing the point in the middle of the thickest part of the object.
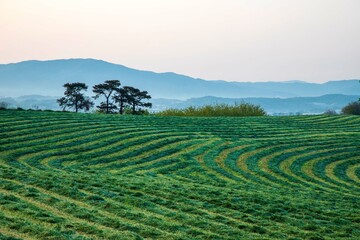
(88, 176)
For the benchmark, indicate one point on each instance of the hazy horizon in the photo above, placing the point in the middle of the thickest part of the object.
(149, 70)
(243, 40)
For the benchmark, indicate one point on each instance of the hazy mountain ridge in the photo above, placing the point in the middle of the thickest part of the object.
(310, 105)
(279, 105)
(28, 82)
(47, 78)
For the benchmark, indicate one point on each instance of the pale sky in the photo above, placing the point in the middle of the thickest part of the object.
(234, 40)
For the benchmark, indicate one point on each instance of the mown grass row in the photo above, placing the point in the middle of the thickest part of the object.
(87, 176)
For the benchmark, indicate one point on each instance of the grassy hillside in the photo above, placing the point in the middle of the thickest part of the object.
(87, 176)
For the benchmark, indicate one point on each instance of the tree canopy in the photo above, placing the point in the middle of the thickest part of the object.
(106, 89)
(74, 97)
(128, 98)
(133, 98)
(121, 97)
(136, 98)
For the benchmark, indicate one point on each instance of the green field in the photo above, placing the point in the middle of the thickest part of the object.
(89, 176)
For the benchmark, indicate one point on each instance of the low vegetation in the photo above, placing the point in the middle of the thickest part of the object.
(4, 105)
(236, 110)
(352, 108)
(330, 112)
(95, 176)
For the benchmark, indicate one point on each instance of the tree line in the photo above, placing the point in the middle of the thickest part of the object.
(116, 99)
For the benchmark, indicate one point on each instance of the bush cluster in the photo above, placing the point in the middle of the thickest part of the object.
(352, 108)
(4, 105)
(236, 110)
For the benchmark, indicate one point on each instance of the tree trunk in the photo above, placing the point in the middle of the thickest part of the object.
(107, 105)
(133, 108)
(121, 107)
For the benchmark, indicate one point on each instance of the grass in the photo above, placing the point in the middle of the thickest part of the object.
(89, 176)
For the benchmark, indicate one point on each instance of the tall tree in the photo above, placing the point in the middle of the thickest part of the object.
(122, 97)
(106, 89)
(135, 99)
(74, 97)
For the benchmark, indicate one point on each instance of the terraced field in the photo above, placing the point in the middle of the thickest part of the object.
(88, 176)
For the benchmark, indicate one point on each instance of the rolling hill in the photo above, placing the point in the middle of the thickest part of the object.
(90, 176)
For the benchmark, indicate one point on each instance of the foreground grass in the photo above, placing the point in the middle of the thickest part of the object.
(87, 176)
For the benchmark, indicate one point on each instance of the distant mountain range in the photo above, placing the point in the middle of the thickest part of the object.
(47, 77)
(37, 84)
